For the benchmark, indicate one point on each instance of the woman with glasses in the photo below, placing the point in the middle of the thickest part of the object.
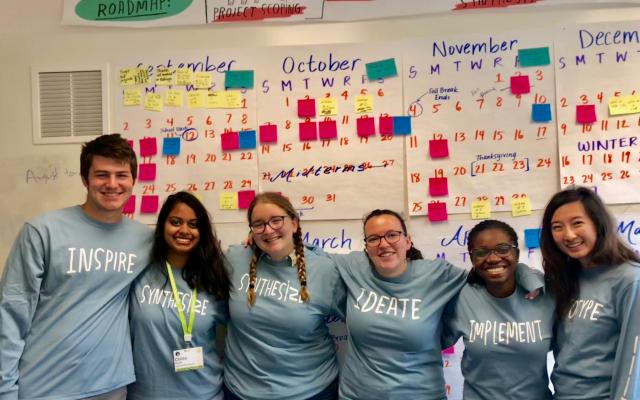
(278, 345)
(502, 331)
(395, 301)
(176, 305)
(595, 278)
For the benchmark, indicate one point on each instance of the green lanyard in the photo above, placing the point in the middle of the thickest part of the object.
(192, 307)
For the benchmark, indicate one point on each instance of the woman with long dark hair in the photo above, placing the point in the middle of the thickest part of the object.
(176, 306)
(595, 278)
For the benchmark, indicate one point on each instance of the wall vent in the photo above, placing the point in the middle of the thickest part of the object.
(69, 105)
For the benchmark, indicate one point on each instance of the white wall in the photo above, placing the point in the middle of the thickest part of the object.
(31, 34)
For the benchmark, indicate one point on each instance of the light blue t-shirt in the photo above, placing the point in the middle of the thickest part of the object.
(598, 343)
(394, 328)
(64, 298)
(156, 332)
(506, 341)
(281, 347)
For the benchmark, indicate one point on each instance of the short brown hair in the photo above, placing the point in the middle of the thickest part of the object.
(110, 146)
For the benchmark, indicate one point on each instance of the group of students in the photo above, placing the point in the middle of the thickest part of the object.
(87, 297)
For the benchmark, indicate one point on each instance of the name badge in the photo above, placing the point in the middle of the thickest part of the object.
(188, 359)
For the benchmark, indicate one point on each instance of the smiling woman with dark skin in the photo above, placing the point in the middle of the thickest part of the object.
(502, 331)
(187, 273)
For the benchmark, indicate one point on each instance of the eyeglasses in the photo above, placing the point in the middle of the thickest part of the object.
(375, 240)
(501, 250)
(274, 222)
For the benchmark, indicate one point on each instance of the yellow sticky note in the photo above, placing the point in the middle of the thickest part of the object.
(153, 102)
(364, 104)
(173, 98)
(215, 100)
(232, 99)
(624, 105)
(184, 76)
(203, 80)
(328, 106)
(132, 96)
(196, 99)
(165, 76)
(229, 200)
(520, 207)
(133, 76)
(480, 209)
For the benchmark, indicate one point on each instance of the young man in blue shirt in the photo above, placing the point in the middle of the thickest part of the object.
(64, 330)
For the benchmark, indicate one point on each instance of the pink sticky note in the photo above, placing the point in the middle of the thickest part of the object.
(245, 197)
(149, 204)
(520, 84)
(365, 126)
(130, 205)
(449, 350)
(148, 147)
(438, 187)
(308, 131)
(147, 172)
(130, 143)
(437, 212)
(586, 114)
(268, 133)
(385, 125)
(439, 148)
(230, 141)
(306, 108)
(328, 130)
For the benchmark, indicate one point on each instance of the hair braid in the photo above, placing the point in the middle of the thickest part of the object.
(300, 263)
(253, 269)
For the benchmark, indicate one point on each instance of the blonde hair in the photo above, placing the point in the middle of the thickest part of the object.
(282, 202)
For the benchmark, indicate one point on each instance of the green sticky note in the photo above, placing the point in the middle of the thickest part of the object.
(381, 69)
(534, 57)
(238, 79)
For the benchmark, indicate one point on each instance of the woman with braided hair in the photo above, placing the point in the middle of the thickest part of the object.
(278, 345)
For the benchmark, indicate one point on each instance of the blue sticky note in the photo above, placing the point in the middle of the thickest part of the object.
(238, 79)
(171, 146)
(247, 139)
(541, 112)
(381, 69)
(532, 238)
(402, 125)
(534, 57)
